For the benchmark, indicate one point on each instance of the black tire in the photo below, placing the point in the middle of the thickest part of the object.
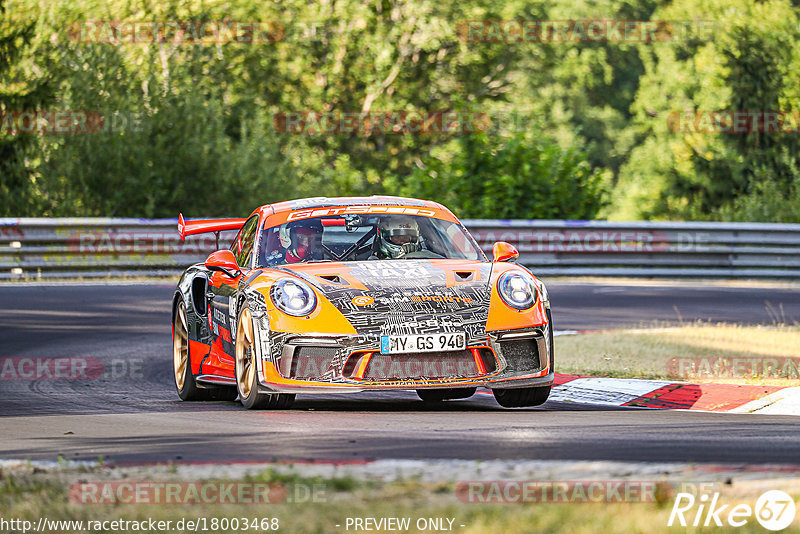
(245, 370)
(223, 393)
(279, 401)
(521, 397)
(438, 395)
(183, 379)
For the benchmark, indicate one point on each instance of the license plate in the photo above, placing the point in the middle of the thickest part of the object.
(423, 343)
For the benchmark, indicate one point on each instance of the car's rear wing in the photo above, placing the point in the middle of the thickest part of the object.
(204, 226)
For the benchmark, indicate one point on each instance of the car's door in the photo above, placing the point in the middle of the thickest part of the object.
(223, 305)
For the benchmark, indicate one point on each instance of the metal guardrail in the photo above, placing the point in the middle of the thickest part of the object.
(101, 247)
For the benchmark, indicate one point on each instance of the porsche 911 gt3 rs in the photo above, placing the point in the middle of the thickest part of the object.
(353, 294)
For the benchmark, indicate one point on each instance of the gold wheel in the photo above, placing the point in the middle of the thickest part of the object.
(245, 362)
(180, 347)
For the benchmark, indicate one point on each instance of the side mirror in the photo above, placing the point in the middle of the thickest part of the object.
(224, 262)
(503, 251)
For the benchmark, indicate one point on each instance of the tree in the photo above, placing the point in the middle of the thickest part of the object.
(524, 176)
(751, 65)
(20, 90)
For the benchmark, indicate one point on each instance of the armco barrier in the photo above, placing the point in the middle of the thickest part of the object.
(100, 247)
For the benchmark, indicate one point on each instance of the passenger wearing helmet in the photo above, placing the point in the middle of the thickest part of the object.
(398, 236)
(304, 239)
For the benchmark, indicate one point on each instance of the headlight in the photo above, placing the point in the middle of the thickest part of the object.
(293, 296)
(517, 290)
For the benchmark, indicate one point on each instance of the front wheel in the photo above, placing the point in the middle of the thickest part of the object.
(246, 371)
(520, 397)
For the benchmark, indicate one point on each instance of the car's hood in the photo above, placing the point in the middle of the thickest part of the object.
(372, 294)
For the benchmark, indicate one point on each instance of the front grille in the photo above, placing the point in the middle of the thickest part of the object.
(427, 365)
(311, 362)
(521, 354)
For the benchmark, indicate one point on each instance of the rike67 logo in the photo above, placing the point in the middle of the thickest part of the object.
(774, 510)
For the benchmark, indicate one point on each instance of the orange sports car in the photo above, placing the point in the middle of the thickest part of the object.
(352, 294)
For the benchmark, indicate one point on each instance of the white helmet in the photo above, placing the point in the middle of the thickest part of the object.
(399, 236)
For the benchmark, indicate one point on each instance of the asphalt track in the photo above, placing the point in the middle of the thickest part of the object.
(131, 414)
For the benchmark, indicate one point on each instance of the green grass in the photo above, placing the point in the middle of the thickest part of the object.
(32, 496)
(333, 483)
(646, 354)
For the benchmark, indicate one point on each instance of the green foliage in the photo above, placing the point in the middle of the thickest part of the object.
(751, 64)
(19, 90)
(522, 176)
(194, 123)
(770, 201)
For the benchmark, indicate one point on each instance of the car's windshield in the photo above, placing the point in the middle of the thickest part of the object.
(365, 237)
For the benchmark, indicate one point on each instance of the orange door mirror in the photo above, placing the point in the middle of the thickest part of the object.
(223, 261)
(503, 251)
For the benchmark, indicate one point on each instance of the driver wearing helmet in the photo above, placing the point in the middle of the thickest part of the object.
(304, 239)
(398, 236)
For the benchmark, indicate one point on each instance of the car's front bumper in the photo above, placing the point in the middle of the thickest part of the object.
(510, 359)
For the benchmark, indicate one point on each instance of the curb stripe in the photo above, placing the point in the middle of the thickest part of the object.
(708, 397)
(665, 395)
(560, 380)
(610, 391)
(785, 401)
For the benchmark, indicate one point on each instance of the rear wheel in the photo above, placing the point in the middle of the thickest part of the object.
(181, 363)
(246, 370)
(438, 395)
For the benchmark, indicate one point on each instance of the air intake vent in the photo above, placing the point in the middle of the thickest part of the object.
(465, 276)
(312, 362)
(521, 354)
